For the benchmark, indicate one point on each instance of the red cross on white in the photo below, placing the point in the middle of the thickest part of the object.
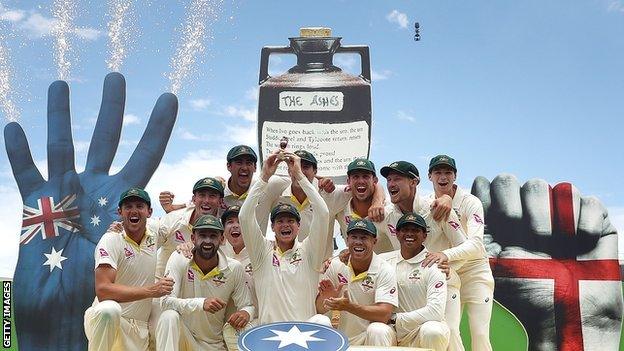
(47, 217)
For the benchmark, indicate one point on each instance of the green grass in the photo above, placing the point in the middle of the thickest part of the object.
(506, 331)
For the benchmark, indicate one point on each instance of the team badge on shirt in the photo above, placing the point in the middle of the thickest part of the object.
(414, 275)
(219, 279)
(190, 275)
(368, 284)
(295, 259)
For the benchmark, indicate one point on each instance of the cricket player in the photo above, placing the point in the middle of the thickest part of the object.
(419, 320)
(364, 290)
(477, 282)
(175, 227)
(362, 198)
(286, 271)
(193, 315)
(124, 280)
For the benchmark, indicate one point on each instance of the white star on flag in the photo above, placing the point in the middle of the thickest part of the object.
(102, 201)
(54, 259)
(95, 220)
(293, 336)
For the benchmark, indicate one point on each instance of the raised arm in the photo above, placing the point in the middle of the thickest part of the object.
(317, 238)
(252, 233)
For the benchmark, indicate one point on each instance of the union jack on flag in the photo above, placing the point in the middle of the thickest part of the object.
(47, 217)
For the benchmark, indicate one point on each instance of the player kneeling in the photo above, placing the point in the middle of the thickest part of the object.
(193, 316)
(369, 285)
(419, 320)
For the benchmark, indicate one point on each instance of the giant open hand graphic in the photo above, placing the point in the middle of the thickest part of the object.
(553, 254)
(65, 215)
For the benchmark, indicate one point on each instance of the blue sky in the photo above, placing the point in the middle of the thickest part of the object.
(530, 88)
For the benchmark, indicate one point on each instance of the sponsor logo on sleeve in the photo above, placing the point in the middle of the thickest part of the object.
(439, 284)
(103, 253)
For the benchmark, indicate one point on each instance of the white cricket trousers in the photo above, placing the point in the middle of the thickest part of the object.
(430, 335)
(107, 330)
(172, 334)
(376, 334)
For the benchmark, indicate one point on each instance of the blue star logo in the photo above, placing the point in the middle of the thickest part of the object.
(293, 336)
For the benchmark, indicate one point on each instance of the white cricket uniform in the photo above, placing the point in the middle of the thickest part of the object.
(477, 282)
(441, 236)
(243, 258)
(377, 285)
(174, 229)
(286, 282)
(183, 323)
(110, 325)
(422, 302)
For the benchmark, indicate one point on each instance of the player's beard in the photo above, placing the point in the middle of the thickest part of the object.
(205, 254)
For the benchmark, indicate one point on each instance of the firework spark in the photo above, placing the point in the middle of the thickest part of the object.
(64, 12)
(119, 29)
(201, 17)
(7, 105)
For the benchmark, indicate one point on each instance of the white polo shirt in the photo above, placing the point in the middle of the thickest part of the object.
(378, 284)
(135, 265)
(286, 282)
(191, 287)
(422, 291)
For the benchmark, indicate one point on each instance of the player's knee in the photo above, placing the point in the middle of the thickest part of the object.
(432, 333)
(320, 319)
(108, 311)
(379, 329)
(167, 318)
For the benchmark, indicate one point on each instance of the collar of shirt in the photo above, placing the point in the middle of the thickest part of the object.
(373, 268)
(227, 192)
(414, 260)
(221, 266)
(279, 252)
(146, 241)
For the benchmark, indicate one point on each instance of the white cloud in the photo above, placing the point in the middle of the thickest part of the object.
(404, 116)
(383, 75)
(240, 111)
(179, 177)
(131, 119)
(346, 62)
(37, 25)
(252, 93)
(616, 6)
(242, 134)
(87, 33)
(398, 18)
(11, 15)
(199, 104)
(10, 225)
(185, 134)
